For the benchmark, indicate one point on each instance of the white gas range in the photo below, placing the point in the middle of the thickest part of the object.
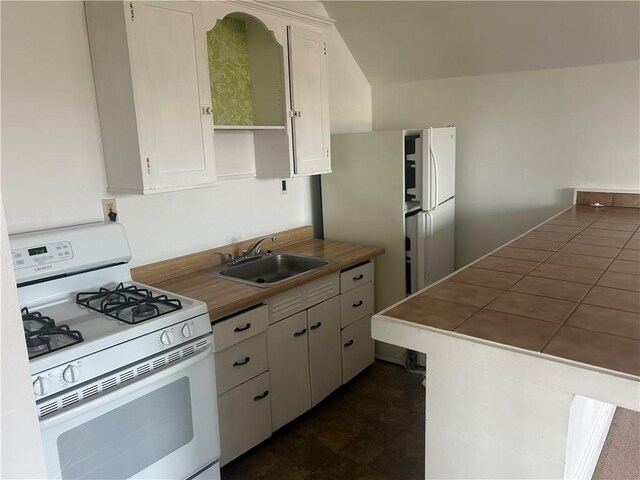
(123, 373)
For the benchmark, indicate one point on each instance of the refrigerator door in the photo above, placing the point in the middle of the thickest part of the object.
(435, 243)
(439, 166)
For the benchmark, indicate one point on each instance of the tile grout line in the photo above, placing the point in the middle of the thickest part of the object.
(572, 311)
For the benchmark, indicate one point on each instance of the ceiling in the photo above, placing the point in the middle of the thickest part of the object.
(397, 41)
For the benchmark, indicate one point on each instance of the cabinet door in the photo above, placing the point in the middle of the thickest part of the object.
(171, 84)
(288, 357)
(309, 101)
(357, 348)
(324, 348)
(245, 417)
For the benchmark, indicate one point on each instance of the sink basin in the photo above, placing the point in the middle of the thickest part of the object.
(269, 270)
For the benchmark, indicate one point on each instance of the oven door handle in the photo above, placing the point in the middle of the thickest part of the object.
(69, 413)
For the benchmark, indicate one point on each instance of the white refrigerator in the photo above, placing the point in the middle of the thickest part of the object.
(396, 190)
(430, 210)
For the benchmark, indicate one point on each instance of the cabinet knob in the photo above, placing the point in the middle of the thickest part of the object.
(317, 325)
(348, 344)
(357, 304)
(359, 277)
(242, 329)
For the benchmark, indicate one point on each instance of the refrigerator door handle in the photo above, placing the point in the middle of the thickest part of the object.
(434, 160)
(428, 240)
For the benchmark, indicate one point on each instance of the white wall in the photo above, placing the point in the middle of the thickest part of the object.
(53, 172)
(524, 140)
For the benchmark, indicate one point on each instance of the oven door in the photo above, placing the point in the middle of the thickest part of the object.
(161, 426)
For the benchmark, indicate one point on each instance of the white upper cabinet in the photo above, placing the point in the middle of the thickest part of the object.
(152, 87)
(309, 101)
(267, 67)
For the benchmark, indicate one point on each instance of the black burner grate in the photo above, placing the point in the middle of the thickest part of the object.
(128, 304)
(44, 336)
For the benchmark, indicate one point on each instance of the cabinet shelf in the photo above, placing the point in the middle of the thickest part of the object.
(249, 127)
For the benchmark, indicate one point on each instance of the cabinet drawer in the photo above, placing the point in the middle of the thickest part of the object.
(356, 304)
(357, 348)
(242, 361)
(239, 327)
(302, 298)
(355, 277)
(245, 417)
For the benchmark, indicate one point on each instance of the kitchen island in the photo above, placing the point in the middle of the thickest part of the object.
(529, 349)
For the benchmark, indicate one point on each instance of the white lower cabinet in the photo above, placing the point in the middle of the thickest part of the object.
(289, 369)
(276, 361)
(357, 348)
(325, 362)
(245, 417)
(356, 308)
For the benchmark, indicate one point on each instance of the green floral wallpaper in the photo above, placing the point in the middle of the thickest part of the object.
(229, 73)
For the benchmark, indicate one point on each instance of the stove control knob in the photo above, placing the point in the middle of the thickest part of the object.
(40, 386)
(71, 374)
(166, 338)
(187, 330)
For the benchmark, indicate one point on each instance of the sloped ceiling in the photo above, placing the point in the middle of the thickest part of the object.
(396, 42)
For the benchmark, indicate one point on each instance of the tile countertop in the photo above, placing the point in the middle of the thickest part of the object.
(225, 297)
(569, 288)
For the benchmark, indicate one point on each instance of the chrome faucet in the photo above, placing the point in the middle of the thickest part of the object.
(255, 248)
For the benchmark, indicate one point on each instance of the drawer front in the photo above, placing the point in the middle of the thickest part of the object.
(302, 298)
(239, 363)
(356, 304)
(239, 327)
(356, 277)
(357, 348)
(245, 417)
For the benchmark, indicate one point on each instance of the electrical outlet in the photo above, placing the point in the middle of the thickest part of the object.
(109, 207)
(283, 186)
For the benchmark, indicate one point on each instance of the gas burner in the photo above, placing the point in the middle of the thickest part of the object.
(129, 304)
(43, 335)
(104, 298)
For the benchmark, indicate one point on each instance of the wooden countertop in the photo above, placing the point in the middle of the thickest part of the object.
(569, 288)
(224, 297)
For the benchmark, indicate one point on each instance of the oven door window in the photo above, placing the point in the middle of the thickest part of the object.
(126, 440)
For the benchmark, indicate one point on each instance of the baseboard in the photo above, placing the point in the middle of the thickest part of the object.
(388, 359)
(588, 457)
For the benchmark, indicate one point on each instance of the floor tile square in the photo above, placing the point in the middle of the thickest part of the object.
(613, 298)
(599, 349)
(583, 261)
(548, 287)
(606, 320)
(558, 228)
(600, 241)
(536, 244)
(511, 329)
(623, 281)
(533, 306)
(629, 254)
(432, 312)
(509, 265)
(486, 278)
(565, 272)
(607, 233)
(463, 294)
(623, 266)
(591, 250)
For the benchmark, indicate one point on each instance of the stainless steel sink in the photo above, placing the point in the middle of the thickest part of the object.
(269, 270)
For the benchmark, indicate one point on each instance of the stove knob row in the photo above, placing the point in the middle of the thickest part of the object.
(166, 337)
(40, 386)
(187, 331)
(71, 374)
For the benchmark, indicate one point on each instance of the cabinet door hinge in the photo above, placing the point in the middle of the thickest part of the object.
(131, 8)
(148, 166)
(325, 47)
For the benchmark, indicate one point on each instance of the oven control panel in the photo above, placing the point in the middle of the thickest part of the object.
(39, 256)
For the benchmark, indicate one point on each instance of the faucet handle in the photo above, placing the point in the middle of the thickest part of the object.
(232, 257)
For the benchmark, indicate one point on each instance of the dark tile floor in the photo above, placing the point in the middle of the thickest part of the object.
(372, 428)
